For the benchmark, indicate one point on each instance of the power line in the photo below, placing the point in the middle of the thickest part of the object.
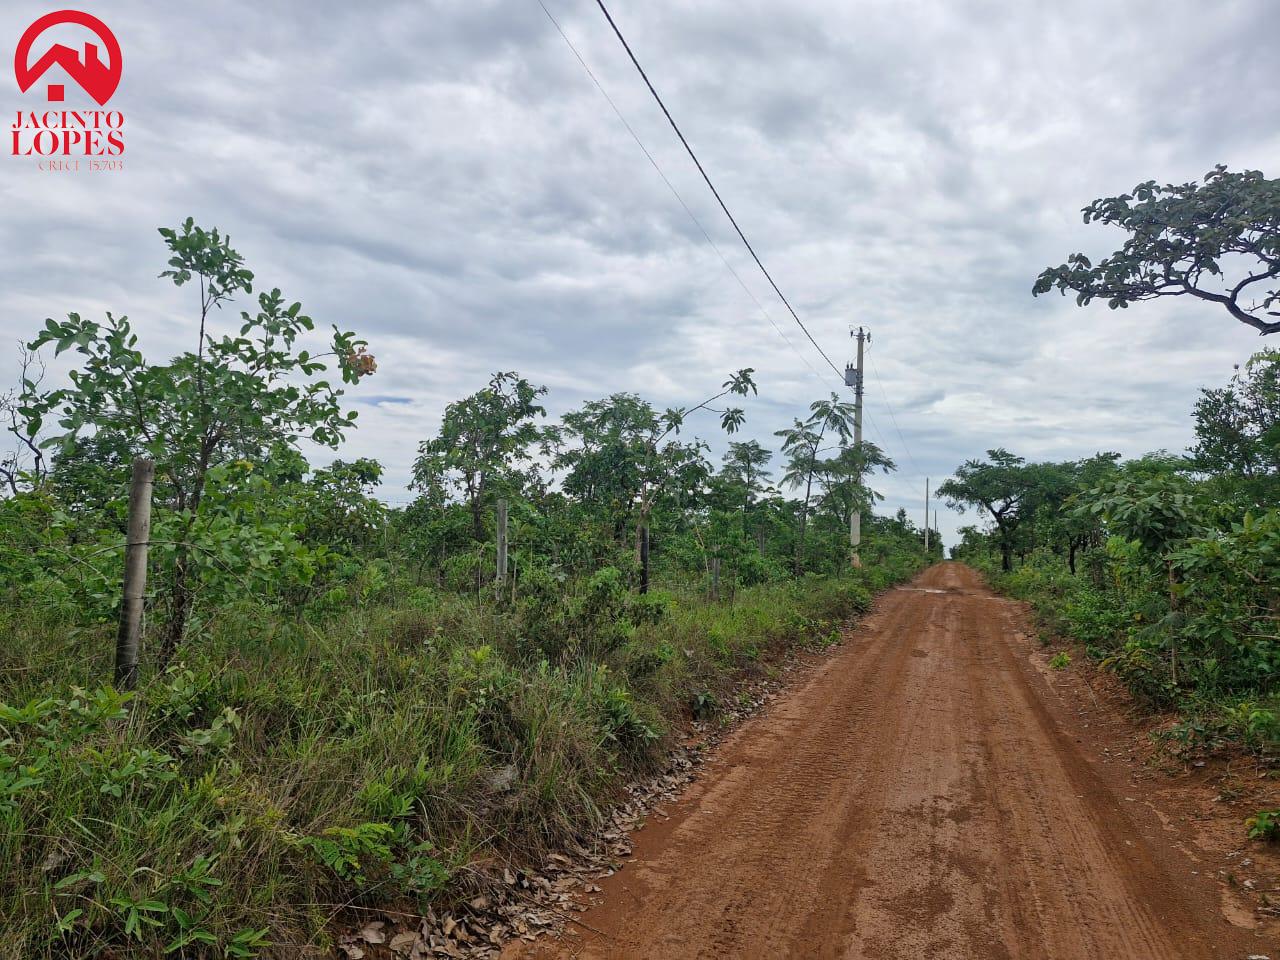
(889, 407)
(698, 163)
(674, 192)
(720, 200)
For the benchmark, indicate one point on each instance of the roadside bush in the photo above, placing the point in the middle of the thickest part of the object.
(1206, 646)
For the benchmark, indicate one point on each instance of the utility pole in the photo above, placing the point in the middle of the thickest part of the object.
(137, 539)
(926, 516)
(853, 378)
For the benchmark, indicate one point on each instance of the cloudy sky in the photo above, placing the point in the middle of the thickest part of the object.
(446, 179)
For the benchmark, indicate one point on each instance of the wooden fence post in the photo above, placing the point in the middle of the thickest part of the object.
(137, 539)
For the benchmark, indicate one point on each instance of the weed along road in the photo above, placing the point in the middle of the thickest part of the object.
(924, 793)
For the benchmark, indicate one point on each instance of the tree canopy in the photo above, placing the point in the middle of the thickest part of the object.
(1238, 431)
(1217, 241)
(486, 441)
(1001, 485)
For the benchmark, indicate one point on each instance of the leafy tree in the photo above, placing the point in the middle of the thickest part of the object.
(800, 447)
(1157, 512)
(746, 464)
(24, 464)
(842, 475)
(1230, 591)
(232, 397)
(972, 542)
(621, 453)
(1218, 241)
(1081, 529)
(1002, 486)
(676, 464)
(603, 447)
(337, 505)
(801, 444)
(1238, 430)
(485, 445)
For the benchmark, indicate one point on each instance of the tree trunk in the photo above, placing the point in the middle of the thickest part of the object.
(643, 533)
(1071, 557)
(183, 594)
(804, 521)
(1006, 556)
(183, 598)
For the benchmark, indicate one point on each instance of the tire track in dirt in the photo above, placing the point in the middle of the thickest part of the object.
(915, 797)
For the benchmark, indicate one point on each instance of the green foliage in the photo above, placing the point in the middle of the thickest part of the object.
(1171, 572)
(624, 466)
(1264, 825)
(624, 722)
(1156, 512)
(1238, 433)
(237, 398)
(485, 446)
(1060, 661)
(840, 477)
(1003, 486)
(289, 762)
(366, 711)
(1217, 241)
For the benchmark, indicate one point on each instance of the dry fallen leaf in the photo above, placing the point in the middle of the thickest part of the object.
(402, 943)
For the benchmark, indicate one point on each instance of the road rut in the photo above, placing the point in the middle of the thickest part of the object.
(913, 798)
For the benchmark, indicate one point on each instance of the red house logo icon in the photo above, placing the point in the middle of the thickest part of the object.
(99, 80)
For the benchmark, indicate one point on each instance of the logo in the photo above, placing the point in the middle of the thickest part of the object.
(95, 78)
(67, 140)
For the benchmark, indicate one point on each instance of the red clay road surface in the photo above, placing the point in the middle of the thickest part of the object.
(920, 796)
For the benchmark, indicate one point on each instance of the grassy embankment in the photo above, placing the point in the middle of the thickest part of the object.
(291, 769)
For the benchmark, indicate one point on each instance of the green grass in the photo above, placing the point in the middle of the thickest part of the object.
(289, 770)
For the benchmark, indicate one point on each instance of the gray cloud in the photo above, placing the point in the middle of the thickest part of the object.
(444, 178)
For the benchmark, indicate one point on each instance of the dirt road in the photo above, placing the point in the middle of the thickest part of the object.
(920, 795)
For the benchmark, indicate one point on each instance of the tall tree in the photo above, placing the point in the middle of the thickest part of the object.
(1001, 486)
(603, 448)
(841, 476)
(802, 443)
(672, 464)
(485, 445)
(1218, 241)
(231, 397)
(746, 464)
(620, 450)
(1238, 430)
(1081, 529)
